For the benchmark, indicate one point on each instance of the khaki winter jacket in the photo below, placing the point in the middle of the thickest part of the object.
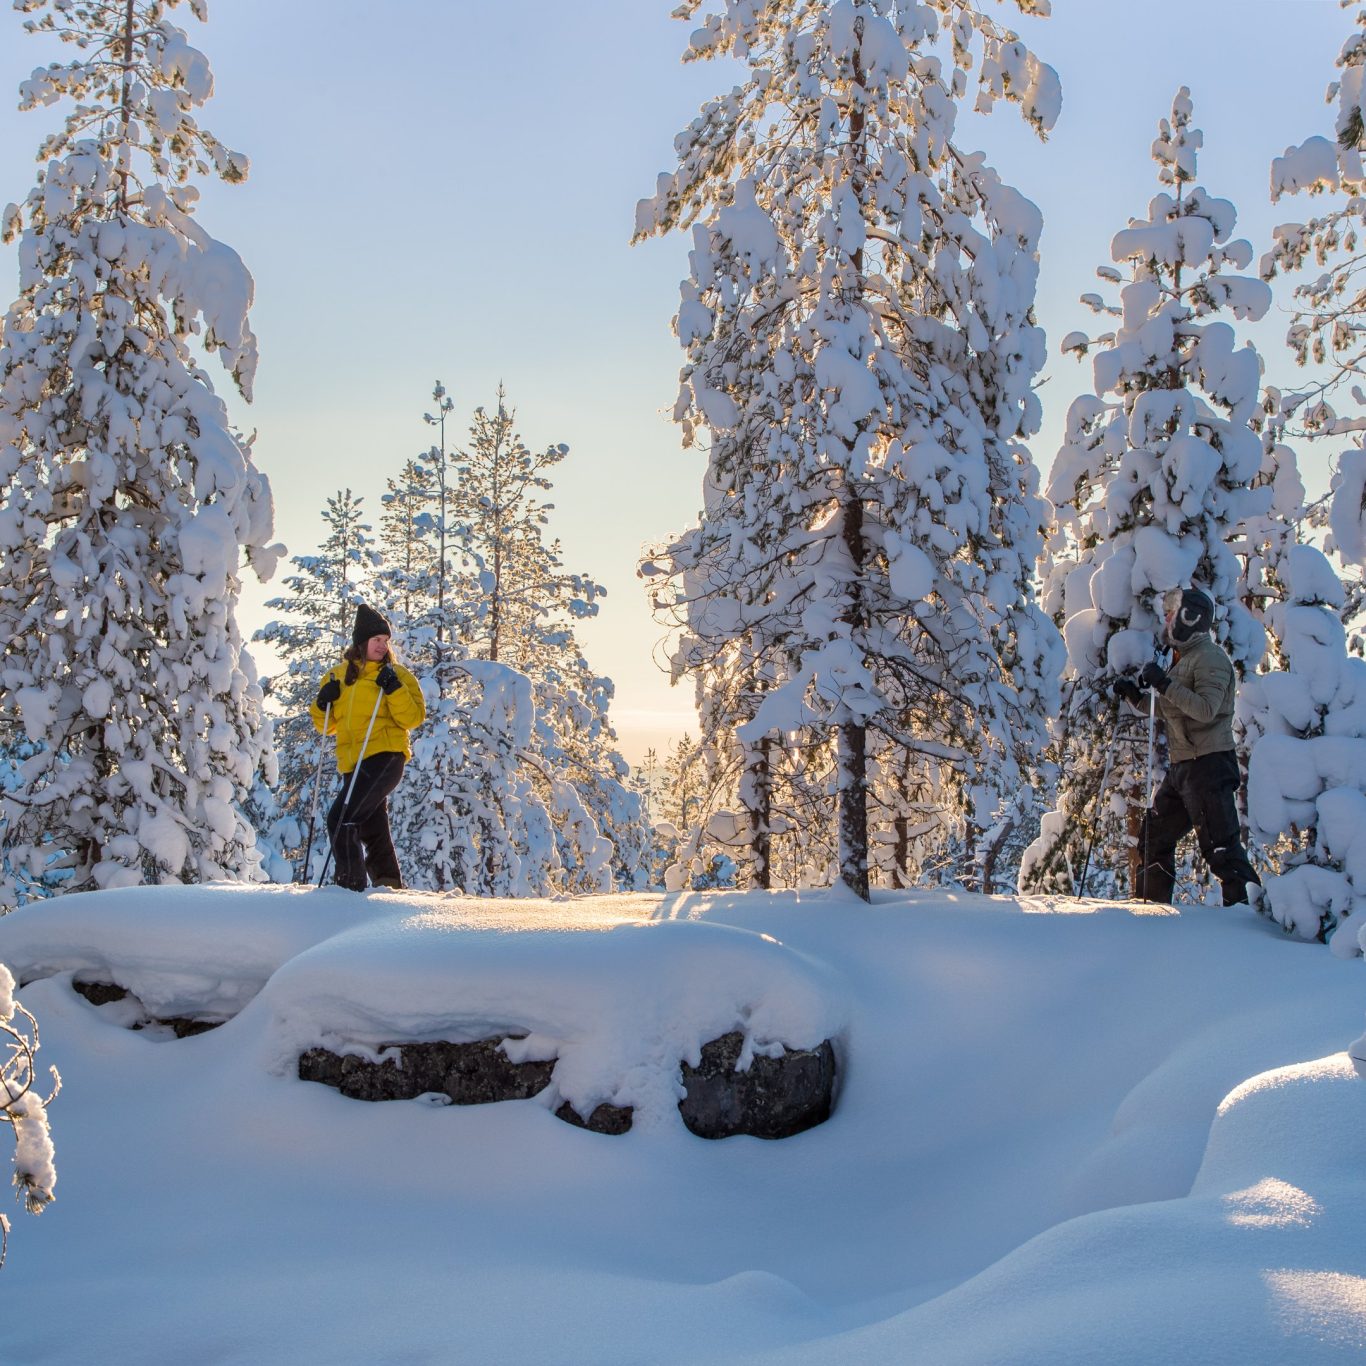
(399, 712)
(1197, 706)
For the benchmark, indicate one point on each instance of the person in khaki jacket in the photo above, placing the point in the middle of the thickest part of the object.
(368, 683)
(1195, 702)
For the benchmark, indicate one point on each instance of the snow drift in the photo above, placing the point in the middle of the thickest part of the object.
(1065, 1130)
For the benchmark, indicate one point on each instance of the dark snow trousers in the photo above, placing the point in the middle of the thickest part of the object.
(1196, 793)
(361, 843)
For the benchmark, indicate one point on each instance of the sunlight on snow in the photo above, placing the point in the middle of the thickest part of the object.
(1272, 1204)
(1327, 1303)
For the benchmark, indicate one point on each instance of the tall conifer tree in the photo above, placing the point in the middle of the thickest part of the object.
(127, 498)
(861, 346)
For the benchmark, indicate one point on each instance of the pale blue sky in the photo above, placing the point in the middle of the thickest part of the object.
(447, 189)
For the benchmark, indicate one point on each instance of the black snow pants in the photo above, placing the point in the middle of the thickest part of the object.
(362, 844)
(1195, 793)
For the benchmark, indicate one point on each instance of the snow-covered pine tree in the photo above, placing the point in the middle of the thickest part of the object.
(861, 345)
(1305, 727)
(446, 532)
(1327, 331)
(1149, 489)
(689, 803)
(409, 504)
(516, 787)
(529, 603)
(309, 636)
(731, 630)
(127, 498)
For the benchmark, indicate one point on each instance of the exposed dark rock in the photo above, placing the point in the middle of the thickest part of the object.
(605, 1119)
(106, 993)
(775, 1098)
(99, 993)
(469, 1073)
(184, 1028)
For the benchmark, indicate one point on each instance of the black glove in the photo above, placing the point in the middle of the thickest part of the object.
(1128, 691)
(328, 694)
(388, 680)
(1152, 676)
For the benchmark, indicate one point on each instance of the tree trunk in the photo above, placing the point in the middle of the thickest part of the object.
(852, 756)
(756, 796)
(853, 807)
(1135, 804)
(901, 851)
(126, 105)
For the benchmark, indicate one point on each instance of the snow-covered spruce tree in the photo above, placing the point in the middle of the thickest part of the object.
(313, 629)
(127, 499)
(1149, 489)
(23, 1109)
(1306, 731)
(861, 346)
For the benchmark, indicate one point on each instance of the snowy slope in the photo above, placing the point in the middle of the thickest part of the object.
(1066, 1132)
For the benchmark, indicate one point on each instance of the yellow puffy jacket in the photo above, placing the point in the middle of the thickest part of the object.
(399, 713)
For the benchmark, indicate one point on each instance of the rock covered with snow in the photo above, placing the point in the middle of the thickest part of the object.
(595, 1001)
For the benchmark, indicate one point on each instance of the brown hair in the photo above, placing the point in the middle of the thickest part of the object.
(356, 659)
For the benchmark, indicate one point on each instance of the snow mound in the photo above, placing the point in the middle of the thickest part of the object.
(617, 998)
(202, 951)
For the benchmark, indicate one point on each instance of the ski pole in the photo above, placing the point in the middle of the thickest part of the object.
(1152, 730)
(355, 773)
(317, 787)
(1148, 813)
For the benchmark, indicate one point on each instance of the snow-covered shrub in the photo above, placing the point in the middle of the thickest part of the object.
(22, 1108)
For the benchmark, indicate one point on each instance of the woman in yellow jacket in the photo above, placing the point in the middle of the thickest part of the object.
(368, 675)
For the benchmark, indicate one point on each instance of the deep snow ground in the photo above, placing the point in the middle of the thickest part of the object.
(1066, 1132)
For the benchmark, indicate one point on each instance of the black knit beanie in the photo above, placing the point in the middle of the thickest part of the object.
(368, 623)
(1194, 617)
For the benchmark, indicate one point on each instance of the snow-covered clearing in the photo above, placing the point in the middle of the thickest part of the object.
(1065, 1132)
